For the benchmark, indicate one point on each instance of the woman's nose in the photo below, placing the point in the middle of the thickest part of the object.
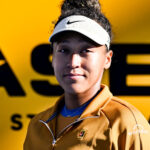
(74, 61)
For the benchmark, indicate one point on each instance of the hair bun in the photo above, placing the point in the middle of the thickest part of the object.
(90, 5)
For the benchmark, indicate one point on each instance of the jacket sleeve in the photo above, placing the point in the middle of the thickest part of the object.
(28, 143)
(131, 131)
(38, 137)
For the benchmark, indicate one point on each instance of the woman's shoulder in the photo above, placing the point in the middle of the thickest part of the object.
(127, 124)
(124, 113)
(43, 115)
(49, 112)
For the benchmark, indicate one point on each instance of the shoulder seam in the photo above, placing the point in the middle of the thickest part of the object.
(110, 125)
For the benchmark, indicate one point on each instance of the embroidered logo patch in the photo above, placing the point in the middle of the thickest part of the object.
(81, 134)
(138, 129)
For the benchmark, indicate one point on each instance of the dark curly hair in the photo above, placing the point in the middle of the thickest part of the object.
(88, 8)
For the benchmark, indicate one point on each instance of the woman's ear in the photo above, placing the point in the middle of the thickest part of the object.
(52, 61)
(108, 59)
(51, 54)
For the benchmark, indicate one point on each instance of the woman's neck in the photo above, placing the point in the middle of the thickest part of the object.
(76, 100)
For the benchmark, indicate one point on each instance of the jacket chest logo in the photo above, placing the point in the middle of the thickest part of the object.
(81, 134)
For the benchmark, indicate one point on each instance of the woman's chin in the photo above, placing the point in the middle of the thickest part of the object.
(74, 89)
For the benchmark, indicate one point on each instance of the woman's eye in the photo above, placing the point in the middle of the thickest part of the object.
(85, 51)
(62, 50)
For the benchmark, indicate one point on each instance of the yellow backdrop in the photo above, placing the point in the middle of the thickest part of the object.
(26, 24)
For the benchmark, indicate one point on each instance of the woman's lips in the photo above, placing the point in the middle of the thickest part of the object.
(73, 75)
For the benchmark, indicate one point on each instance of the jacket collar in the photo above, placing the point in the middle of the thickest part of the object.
(98, 102)
(92, 109)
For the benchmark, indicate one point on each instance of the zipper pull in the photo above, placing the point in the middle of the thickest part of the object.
(54, 142)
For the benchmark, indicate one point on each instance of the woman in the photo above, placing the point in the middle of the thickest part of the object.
(87, 116)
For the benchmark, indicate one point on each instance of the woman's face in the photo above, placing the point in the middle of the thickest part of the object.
(78, 63)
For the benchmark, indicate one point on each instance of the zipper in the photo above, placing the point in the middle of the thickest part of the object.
(71, 124)
(54, 140)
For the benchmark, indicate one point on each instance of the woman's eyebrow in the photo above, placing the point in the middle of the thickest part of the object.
(64, 41)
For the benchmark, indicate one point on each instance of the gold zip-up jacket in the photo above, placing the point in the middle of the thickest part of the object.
(107, 123)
